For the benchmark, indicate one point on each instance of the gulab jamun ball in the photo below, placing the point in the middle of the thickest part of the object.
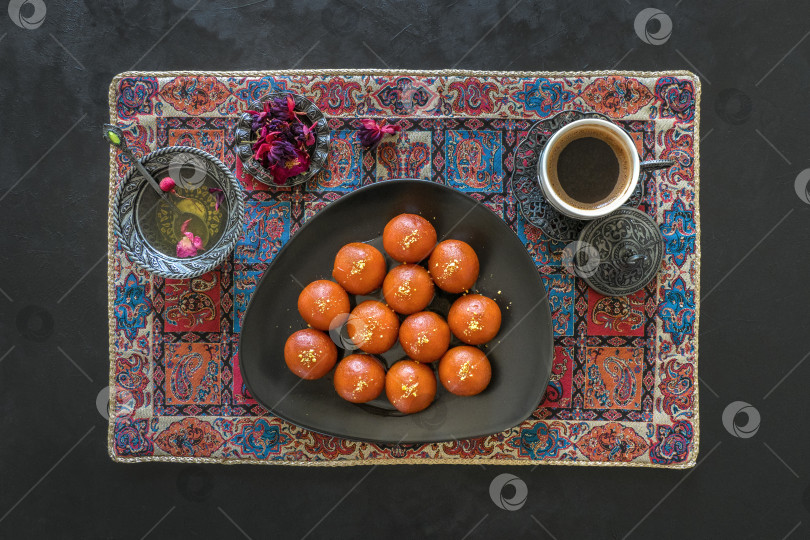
(465, 371)
(310, 353)
(373, 327)
(359, 268)
(424, 336)
(359, 378)
(410, 386)
(408, 288)
(474, 319)
(454, 266)
(321, 302)
(409, 238)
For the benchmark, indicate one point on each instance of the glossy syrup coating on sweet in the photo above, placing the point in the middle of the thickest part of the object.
(359, 268)
(359, 378)
(424, 336)
(410, 386)
(321, 302)
(474, 319)
(408, 288)
(465, 371)
(310, 353)
(454, 266)
(373, 327)
(409, 238)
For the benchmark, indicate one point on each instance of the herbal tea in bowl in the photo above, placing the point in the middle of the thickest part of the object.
(191, 225)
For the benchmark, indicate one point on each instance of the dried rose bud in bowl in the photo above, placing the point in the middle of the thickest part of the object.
(282, 140)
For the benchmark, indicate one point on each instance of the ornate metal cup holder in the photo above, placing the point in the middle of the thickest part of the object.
(531, 201)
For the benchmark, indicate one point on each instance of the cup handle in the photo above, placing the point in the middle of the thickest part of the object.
(655, 164)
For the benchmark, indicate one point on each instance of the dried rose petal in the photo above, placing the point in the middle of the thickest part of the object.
(371, 133)
(281, 138)
(219, 196)
(189, 244)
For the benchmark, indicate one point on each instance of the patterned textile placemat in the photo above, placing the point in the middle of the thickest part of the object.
(624, 386)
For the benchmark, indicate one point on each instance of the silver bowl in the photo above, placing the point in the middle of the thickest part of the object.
(134, 231)
(318, 154)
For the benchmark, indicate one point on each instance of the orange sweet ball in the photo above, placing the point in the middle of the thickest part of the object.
(408, 288)
(359, 268)
(465, 371)
(309, 353)
(474, 319)
(410, 386)
(424, 336)
(373, 327)
(409, 238)
(454, 266)
(359, 378)
(321, 302)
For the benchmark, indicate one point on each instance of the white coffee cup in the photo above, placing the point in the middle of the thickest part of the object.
(627, 156)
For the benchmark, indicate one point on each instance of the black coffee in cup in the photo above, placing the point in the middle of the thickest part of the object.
(589, 167)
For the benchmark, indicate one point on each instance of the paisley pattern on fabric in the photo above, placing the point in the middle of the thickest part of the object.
(672, 443)
(131, 375)
(407, 157)
(474, 160)
(677, 389)
(135, 96)
(192, 304)
(131, 437)
(181, 375)
(624, 382)
(678, 98)
(472, 96)
(615, 313)
(335, 96)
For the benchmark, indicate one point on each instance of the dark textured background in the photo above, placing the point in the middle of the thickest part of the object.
(56, 480)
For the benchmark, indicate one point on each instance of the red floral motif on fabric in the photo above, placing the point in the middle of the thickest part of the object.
(190, 437)
(195, 95)
(617, 96)
(612, 442)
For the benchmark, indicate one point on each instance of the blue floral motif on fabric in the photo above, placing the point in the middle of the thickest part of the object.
(131, 306)
(678, 311)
